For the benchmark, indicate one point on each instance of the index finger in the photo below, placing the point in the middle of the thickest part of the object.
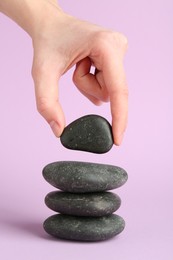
(115, 80)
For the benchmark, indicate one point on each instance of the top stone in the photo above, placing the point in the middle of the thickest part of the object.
(91, 133)
(84, 177)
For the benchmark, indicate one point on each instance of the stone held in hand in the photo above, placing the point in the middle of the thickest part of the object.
(82, 177)
(86, 204)
(90, 133)
(84, 228)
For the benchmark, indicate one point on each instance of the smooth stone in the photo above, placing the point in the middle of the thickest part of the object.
(82, 177)
(91, 133)
(84, 228)
(86, 204)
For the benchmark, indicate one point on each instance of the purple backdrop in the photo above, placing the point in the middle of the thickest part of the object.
(27, 143)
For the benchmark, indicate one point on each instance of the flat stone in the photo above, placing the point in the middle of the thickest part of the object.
(86, 204)
(82, 177)
(84, 228)
(91, 133)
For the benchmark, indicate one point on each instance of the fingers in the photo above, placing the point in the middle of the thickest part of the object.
(94, 100)
(88, 84)
(115, 81)
(110, 83)
(46, 92)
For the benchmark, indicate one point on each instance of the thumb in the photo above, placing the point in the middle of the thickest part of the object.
(46, 92)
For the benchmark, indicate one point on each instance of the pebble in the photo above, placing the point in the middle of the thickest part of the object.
(84, 228)
(86, 204)
(91, 133)
(82, 177)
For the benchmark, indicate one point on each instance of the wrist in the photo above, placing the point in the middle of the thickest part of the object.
(30, 14)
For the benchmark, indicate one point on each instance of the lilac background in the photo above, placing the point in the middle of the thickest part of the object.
(27, 144)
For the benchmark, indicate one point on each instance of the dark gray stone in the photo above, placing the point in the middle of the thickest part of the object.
(86, 204)
(91, 133)
(82, 177)
(84, 228)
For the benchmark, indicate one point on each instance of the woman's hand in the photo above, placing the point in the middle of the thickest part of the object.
(61, 41)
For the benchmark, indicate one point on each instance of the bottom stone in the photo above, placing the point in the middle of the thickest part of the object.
(84, 228)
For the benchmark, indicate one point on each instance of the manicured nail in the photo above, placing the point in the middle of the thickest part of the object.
(55, 128)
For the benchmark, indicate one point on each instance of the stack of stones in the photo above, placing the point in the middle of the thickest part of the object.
(86, 208)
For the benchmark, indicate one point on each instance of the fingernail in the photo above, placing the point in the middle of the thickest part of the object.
(55, 128)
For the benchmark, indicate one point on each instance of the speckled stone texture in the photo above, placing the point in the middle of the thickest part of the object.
(84, 228)
(89, 204)
(82, 177)
(91, 133)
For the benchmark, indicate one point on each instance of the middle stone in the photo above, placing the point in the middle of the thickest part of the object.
(89, 204)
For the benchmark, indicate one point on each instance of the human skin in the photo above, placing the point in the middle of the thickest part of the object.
(61, 41)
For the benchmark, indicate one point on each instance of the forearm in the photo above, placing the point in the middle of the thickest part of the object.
(28, 14)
